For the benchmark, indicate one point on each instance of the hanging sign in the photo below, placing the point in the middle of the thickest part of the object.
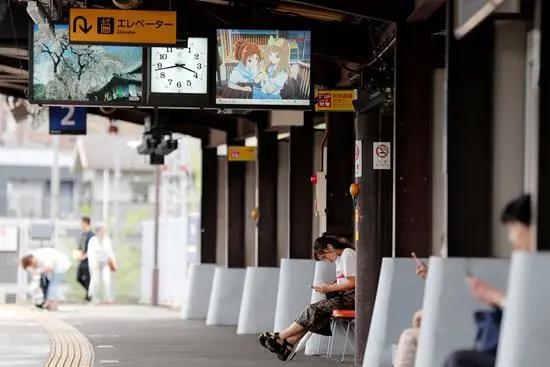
(358, 158)
(241, 154)
(336, 100)
(107, 26)
(68, 120)
(381, 155)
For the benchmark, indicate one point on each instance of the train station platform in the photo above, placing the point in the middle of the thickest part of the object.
(137, 336)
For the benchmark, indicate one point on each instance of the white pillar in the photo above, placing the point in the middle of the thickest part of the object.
(105, 197)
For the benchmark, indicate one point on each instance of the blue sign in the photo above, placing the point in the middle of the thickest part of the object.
(68, 120)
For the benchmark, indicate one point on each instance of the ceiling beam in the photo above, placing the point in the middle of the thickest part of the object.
(17, 53)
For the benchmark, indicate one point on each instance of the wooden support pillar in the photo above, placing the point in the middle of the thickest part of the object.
(413, 214)
(340, 158)
(209, 205)
(235, 210)
(267, 168)
(469, 131)
(374, 213)
(301, 189)
(542, 195)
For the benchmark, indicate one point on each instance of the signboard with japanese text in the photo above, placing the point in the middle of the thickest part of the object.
(241, 154)
(107, 26)
(335, 100)
(68, 120)
(358, 158)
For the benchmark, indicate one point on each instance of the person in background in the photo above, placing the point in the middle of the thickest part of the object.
(83, 271)
(316, 317)
(408, 342)
(101, 261)
(517, 219)
(51, 264)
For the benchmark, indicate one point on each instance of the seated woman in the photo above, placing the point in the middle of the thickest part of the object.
(316, 317)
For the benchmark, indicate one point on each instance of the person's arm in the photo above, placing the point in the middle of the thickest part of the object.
(486, 293)
(348, 285)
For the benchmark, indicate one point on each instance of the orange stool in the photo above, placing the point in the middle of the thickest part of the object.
(347, 319)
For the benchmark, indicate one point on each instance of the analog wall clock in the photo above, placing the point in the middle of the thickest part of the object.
(176, 70)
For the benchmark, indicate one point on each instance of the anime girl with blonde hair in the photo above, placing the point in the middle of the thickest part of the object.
(275, 68)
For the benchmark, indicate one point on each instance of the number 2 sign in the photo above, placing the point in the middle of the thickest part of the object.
(68, 120)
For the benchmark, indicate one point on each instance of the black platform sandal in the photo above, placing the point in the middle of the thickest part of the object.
(262, 339)
(283, 351)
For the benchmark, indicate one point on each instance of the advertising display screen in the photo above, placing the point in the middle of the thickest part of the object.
(63, 73)
(263, 68)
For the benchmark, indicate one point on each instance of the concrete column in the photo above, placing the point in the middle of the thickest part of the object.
(209, 205)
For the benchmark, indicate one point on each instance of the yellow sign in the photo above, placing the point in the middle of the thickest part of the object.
(241, 154)
(335, 100)
(107, 26)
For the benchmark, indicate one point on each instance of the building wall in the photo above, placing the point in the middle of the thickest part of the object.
(282, 200)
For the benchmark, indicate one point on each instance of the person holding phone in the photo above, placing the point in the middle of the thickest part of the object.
(408, 341)
(517, 219)
(340, 295)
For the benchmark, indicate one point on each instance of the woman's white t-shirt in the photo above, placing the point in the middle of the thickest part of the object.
(345, 265)
(51, 258)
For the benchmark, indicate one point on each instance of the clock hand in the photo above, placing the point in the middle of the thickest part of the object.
(183, 67)
(168, 67)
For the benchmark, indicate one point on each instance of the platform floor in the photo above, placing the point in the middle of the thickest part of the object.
(141, 336)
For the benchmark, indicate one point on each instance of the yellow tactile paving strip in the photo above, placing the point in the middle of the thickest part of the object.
(68, 346)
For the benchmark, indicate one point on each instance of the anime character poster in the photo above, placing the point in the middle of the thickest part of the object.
(263, 67)
(86, 74)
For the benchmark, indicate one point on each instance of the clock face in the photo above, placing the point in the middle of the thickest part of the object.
(180, 70)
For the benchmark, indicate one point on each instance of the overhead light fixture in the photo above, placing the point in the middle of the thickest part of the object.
(312, 13)
(251, 142)
(283, 136)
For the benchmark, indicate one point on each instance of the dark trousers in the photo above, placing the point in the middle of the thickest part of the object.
(470, 358)
(83, 274)
(44, 283)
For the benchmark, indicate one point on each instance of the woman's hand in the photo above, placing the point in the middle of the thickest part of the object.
(323, 288)
(485, 293)
(417, 319)
(421, 270)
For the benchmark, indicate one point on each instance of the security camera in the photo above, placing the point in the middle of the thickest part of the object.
(166, 147)
(147, 145)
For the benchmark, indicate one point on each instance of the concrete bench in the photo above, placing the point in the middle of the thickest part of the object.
(225, 298)
(257, 312)
(400, 294)
(197, 291)
(294, 293)
(448, 323)
(526, 325)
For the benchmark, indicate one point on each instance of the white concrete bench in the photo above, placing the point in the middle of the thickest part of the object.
(259, 300)
(197, 291)
(294, 293)
(225, 299)
(525, 333)
(399, 296)
(448, 323)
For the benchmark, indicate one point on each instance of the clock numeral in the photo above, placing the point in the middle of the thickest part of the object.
(162, 75)
(196, 56)
(159, 65)
(170, 81)
(169, 49)
(189, 50)
(178, 85)
(189, 83)
(196, 76)
(199, 66)
(163, 56)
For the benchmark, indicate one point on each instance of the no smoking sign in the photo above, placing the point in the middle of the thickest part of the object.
(381, 155)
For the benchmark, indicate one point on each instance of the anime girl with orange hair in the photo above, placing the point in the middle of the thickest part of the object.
(243, 75)
(275, 69)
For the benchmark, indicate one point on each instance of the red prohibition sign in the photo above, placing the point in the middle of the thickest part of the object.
(382, 151)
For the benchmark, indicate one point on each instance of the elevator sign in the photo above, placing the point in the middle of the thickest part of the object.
(381, 155)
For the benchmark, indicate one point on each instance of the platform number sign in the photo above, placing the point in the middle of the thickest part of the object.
(68, 120)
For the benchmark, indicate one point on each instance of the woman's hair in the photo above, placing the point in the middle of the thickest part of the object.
(321, 244)
(281, 47)
(26, 261)
(243, 49)
(518, 210)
